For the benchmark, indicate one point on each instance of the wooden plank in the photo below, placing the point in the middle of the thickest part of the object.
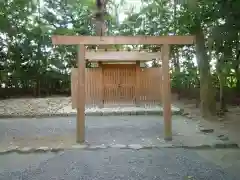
(118, 62)
(80, 126)
(166, 90)
(100, 40)
(117, 50)
(121, 56)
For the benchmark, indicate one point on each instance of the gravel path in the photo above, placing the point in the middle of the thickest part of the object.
(109, 164)
(103, 130)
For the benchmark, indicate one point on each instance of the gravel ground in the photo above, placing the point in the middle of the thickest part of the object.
(61, 106)
(31, 107)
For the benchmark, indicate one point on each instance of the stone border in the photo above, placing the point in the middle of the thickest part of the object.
(176, 111)
(44, 149)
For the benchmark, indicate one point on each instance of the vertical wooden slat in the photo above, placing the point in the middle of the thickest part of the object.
(81, 95)
(160, 85)
(138, 88)
(166, 93)
(101, 88)
(86, 86)
(92, 85)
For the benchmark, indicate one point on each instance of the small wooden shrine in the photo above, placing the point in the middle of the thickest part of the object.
(119, 79)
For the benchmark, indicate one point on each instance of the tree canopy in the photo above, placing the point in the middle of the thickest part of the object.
(30, 64)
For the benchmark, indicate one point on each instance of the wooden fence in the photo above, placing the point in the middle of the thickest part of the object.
(149, 86)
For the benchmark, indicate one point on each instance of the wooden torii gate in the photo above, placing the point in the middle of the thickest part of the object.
(165, 41)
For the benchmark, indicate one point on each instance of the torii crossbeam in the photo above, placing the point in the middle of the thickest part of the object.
(104, 40)
(165, 41)
(121, 56)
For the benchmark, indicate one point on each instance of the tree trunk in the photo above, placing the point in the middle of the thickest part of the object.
(207, 94)
(222, 107)
(175, 51)
(100, 23)
(38, 93)
(237, 71)
(176, 64)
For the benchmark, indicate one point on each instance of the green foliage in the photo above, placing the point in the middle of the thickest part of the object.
(28, 58)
